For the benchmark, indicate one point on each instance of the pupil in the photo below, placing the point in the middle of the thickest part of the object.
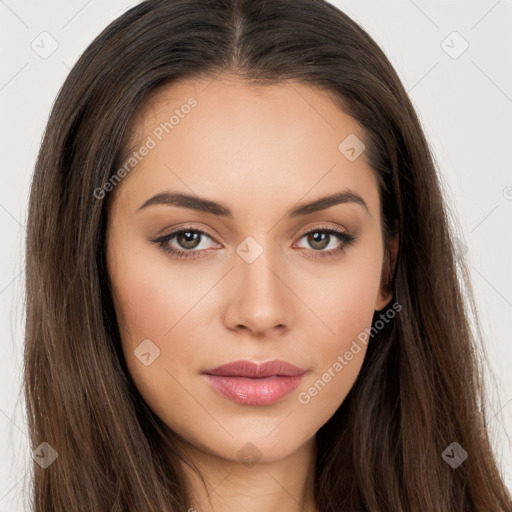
(318, 238)
(190, 239)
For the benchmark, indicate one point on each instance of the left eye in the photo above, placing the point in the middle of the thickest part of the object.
(320, 238)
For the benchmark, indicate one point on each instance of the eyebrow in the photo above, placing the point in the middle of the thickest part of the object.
(208, 206)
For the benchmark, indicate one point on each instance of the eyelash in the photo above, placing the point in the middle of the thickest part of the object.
(343, 236)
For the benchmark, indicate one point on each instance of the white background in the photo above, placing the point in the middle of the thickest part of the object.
(464, 103)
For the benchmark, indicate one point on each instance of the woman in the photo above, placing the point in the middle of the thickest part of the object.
(242, 280)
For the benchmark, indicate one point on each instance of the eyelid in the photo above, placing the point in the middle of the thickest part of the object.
(324, 227)
(186, 227)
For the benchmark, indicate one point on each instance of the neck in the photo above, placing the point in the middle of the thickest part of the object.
(253, 485)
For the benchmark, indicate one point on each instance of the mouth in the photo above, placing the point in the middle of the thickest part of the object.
(251, 383)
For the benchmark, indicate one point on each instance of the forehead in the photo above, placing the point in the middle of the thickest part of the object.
(247, 145)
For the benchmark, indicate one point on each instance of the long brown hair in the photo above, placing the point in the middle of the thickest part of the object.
(421, 385)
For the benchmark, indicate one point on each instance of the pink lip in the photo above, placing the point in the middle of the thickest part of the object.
(250, 383)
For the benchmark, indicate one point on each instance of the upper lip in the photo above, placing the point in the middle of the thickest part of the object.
(255, 369)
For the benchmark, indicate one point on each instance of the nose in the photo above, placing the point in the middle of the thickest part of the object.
(261, 300)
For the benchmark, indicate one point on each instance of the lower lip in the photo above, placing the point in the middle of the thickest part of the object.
(249, 391)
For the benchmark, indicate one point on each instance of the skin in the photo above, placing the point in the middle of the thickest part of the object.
(260, 152)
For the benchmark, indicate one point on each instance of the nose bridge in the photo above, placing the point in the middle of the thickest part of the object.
(262, 300)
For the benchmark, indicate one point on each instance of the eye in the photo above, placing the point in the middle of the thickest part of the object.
(321, 237)
(188, 242)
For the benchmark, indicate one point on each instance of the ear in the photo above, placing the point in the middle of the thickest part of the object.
(390, 255)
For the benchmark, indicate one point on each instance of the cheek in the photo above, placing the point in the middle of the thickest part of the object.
(345, 305)
(152, 297)
(148, 307)
(165, 304)
(150, 302)
(153, 304)
(342, 297)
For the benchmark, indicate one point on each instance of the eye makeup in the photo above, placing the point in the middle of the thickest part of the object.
(193, 234)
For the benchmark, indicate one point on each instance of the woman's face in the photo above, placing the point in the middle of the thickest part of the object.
(255, 286)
